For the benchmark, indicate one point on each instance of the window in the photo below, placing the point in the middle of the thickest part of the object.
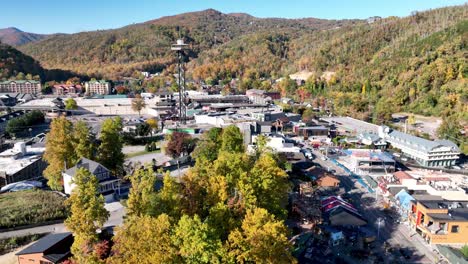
(455, 229)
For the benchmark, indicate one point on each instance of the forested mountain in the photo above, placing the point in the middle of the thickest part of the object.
(15, 37)
(15, 64)
(415, 63)
(146, 46)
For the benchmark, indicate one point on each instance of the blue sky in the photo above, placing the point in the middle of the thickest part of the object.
(68, 16)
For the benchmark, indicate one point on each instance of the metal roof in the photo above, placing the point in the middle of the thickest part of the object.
(45, 243)
(420, 144)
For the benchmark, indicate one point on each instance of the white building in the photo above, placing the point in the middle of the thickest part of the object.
(276, 144)
(369, 162)
(107, 183)
(438, 153)
(97, 87)
(21, 163)
(434, 183)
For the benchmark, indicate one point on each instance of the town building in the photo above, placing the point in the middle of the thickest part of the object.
(51, 249)
(327, 180)
(11, 99)
(6, 100)
(21, 163)
(448, 186)
(65, 89)
(351, 126)
(337, 212)
(23, 86)
(372, 139)
(257, 96)
(108, 184)
(276, 144)
(98, 87)
(368, 162)
(438, 153)
(313, 133)
(440, 222)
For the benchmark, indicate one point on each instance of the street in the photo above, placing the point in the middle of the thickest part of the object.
(397, 235)
(116, 214)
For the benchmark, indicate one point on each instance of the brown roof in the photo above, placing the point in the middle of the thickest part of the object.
(327, 176)
(401, 175)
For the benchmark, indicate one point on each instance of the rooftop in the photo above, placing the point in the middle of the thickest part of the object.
(20, 81)
(92, 166)
(452, 215)
(369, 154)
(45, 243)
(352, 125)
(99, 81)
(420, 144)
(11, 163)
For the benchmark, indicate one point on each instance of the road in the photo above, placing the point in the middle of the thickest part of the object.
(397, 235)
(116, 211)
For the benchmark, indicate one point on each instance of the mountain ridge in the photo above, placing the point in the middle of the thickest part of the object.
(16, 37)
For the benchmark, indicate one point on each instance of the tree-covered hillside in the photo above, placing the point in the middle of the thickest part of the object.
(14, 64)
(146, 46)
(368, 69)
(417, 63)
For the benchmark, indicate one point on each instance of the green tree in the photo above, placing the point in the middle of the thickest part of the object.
(83, 141)
(196, 241)
(168, 199)
(59, 153)
(142, 192)
(464, 250)
(266, 186)
(451, 129)
(70, 104)
(261, 239)
(110, 150)
(138, 103)
(207, 148)
(232, 139)
(143, 129)
(20, 125)
(383, 111)
(261, 143)
(145, 240)
(87, 213)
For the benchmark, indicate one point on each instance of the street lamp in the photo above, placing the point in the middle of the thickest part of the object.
(380, 222)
